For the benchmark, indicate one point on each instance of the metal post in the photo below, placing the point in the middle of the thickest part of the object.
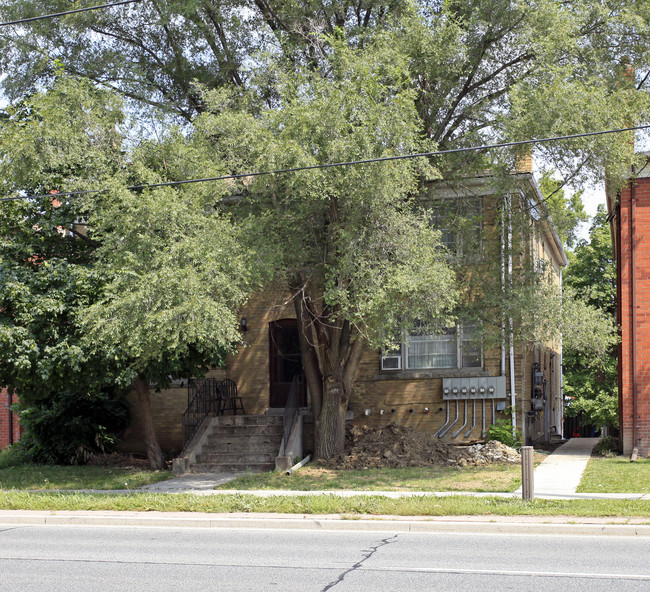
(527, 475)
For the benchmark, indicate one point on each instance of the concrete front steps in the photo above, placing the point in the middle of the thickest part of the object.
(233, 444)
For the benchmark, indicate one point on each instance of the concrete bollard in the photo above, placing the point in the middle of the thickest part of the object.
(527, 474)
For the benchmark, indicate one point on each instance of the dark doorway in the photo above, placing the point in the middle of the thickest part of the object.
(285, 361)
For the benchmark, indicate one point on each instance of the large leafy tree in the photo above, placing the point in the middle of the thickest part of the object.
(592, 382)
(479, 67)
(473, 71)
(351, 245)
(49, 141)
(179, 271)
(109, 288)
(566, 212)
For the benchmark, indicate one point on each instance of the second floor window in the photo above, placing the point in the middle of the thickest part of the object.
(460, 222)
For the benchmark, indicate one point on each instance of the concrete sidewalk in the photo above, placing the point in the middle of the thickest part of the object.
(560, 473)
(557, 477)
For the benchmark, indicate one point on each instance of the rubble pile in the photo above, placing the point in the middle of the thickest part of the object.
(391, 446)
(484, 454)
(396, 446)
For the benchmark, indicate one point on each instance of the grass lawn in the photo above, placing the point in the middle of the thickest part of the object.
(490, 478)
(77, 477)
(616, 475)
(353, 507)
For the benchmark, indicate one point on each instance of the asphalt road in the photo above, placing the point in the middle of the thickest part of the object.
(99, 558)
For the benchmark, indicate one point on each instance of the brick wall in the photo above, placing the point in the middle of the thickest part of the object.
(403, 396)
(249, 368)
(634, 317)
(167, 407)
(6, 437)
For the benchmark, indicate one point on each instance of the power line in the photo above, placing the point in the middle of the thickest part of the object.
(58, 14)
(338, 164)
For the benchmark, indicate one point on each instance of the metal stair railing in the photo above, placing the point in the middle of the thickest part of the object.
(208, 397)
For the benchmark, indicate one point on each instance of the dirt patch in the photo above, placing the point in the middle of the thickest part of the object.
(396, 446)
(125, 461)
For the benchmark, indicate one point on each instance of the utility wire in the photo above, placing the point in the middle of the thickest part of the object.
(338, 164)
(58, 14)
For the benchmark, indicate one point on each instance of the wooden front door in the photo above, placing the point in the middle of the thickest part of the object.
(285, 361)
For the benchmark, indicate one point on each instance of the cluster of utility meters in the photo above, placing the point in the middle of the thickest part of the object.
(480, 387)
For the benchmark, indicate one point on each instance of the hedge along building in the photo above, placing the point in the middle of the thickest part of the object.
(629, 211)
(453, 384)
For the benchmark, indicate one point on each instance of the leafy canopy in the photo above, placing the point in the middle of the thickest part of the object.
(62, 139)
(353, 238)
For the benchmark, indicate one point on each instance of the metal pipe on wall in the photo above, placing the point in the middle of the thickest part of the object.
(468, 432)
(461, 428)
(484, 427)
(503, 290)
(513, 394)
(442, 427)
(442, 433)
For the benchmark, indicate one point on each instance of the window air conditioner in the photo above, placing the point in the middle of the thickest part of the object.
(391, 362)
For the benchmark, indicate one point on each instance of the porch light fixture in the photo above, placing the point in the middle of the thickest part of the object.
(243, 325)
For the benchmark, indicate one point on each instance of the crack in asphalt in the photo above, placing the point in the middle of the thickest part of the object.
(368, 553)
(11, 528)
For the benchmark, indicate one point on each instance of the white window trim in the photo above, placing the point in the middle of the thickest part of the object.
(402, 353)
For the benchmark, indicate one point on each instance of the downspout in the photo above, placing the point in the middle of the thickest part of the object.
(561, 368)
(503, 289)
(635, 411)
(617, 237)
(513, 394)
(10, 399)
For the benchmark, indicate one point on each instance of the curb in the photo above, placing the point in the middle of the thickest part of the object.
(320, 523)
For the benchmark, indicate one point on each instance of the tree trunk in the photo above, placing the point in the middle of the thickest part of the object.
(154, 454)
(329, 432)
(331, 352)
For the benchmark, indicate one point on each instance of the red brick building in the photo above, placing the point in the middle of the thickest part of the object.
(630, 211)
(9, 427)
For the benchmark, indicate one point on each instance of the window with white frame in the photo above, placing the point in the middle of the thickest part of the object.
(454, 348)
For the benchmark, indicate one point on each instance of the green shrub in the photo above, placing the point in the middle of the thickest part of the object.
(501, 431)
(14, 456)
(70, 428)
(608, 446)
